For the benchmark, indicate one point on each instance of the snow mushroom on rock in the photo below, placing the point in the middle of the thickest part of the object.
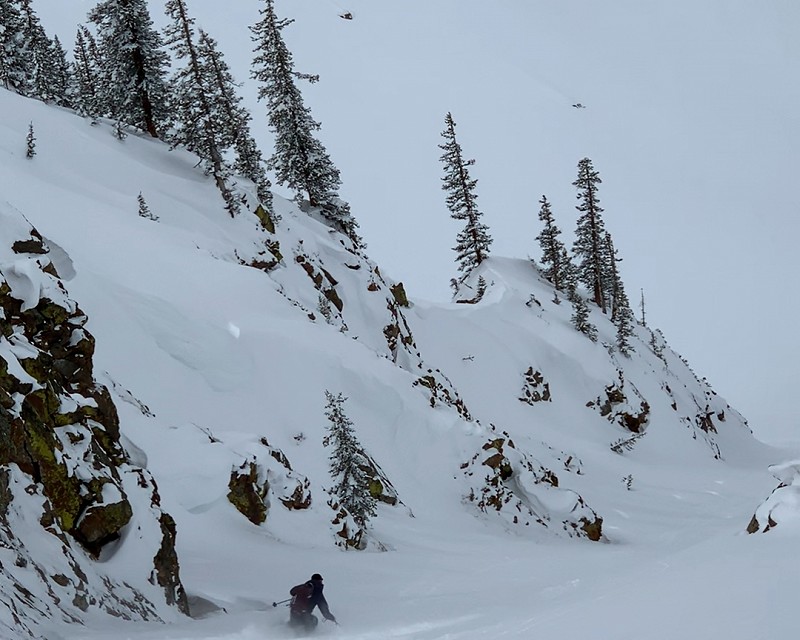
(783, 505)
(61, 457)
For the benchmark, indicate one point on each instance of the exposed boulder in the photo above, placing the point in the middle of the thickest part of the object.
(263, 476)
(615, 406)
(535, 388)
(247, 491)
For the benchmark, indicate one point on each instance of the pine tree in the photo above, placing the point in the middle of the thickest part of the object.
(347, 462)
(40, 50)
(554, 254)
(198, 128)
(134, 64)
(86, 74)
(119, 131)
(641, 306)
(472, 243)
(233, 118)
(580, 318)
(16, 61)
(31, 142)
(589, 246)
(300, 161)
(580, 310)
(144, 210)
(60, 76)
(621, 313)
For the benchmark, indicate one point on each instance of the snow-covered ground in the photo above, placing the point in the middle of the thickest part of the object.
(220, 357)
(205, 356)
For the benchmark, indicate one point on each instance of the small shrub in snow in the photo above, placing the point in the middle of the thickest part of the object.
(31, 142)
(144, 210)
(119, 131)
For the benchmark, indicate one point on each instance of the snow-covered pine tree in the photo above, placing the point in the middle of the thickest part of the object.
(30, 141)
(144, 209)
(60, 75)
(16, 63)
(554, 252)
(197, 122)
(233, 119)
(119, 130)
(589, 247)
(641, 307)
(134, 64)
(300, 161)
(472, 243)
(347, 462)
(621, 312)
(580, 316)
(86, 74)
(39, 48)
(580, 310)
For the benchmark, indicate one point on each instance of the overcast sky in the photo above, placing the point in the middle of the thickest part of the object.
(691, 117)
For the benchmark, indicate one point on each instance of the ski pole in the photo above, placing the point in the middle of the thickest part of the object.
(275, 604)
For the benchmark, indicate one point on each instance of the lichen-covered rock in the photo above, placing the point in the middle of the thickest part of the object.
(60, 451)
(247, 491)
(399, 294)
(380, 487)
(508, 483)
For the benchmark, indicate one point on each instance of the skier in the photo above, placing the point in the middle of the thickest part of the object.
(306, 596)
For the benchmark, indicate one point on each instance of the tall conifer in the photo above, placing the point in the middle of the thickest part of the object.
(60, 76)
(39, 50)
(232, 118)
(589, 246)
(134, 64)
(198, 128)
(86, 71)
(16, 64)
(300, 161)
(621, 312)
(472, 243)
(347, 462)
(554, 254)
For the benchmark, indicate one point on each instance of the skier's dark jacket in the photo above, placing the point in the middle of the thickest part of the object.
(307, 596)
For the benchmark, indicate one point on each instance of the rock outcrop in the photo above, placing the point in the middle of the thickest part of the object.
(510, 483)
(65, 479)
(782, 507)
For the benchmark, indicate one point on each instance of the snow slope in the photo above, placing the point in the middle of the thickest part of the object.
(206, 356)
(689, 119)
